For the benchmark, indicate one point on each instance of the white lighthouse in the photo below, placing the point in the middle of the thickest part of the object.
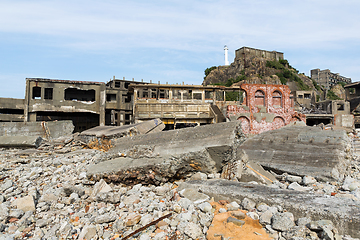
(226, 56)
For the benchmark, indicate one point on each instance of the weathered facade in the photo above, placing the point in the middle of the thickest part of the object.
(179, 105)
(11, 110)
(241, 53)
(328, 79)
(303, 99)
(352, 92)
(265, 107)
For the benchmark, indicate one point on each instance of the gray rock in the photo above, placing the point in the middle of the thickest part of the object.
(308, 180)
(69, 189)
(205, 207)
(253, 215)
(194, 195)
(16, 213)
(185, 203)
(4, 211)
(295, 232)
(248, 204)
(265, 217)
(235, 221)
(105, 218)
(291, 178)
(303, 221)
(238, 215)
(88, 232)
(282, 221)
(295, 186)
(233, 206)
(8, 183)
(198, 176)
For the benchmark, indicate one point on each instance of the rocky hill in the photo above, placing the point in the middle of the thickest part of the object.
(254, 69)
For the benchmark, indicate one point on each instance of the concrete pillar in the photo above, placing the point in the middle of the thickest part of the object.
(203, 96)
(26, 102)
(102, 105)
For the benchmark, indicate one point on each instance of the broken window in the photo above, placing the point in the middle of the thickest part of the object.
(145, 93)
(259, 98)
(197, 96)
(36, 93)
(163, 93)
(117, 84)
(209, 94)
(300, 96)
(340, 107)
(187, 94)
(127, 98)
(110, 97)
(277, 99)
(153, 93)
(48, 93)
(176, 94)
(127, 85)
(307, 96)
(79, 94)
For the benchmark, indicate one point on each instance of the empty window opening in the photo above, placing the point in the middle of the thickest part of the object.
(187, 94)
(277, 99)
(176, 94)
(117, 84)
(127, 98)
(145, 93)
(209, 94)
(307, 96)
(127, 117)
(300, 96)
(36, 94)
(340, 107)
(48, 94)
(259, 98)
(79, 94)
(127, 85)
(153, 93)
(317, 121)
(197, 96)
(163, 93)
(110, 97)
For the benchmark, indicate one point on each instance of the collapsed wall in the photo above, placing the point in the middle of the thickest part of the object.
(302, 150)
(158, 157)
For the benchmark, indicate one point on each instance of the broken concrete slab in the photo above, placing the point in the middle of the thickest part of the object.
(51, 129)
(344, 213)
(110, 132)
(302, 150)
(243, 170)
(161, 156)
(20, 141)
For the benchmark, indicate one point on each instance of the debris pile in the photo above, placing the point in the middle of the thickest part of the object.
(198, 183)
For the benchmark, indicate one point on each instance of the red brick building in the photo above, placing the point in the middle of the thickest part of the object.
(265, 107)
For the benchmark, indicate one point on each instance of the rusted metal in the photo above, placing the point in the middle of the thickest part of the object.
(147, 225)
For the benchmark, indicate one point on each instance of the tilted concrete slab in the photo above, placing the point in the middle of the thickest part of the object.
(51, 129)
(110, 132)
(344, 213)
(302, 150)
(170, 154)
(20, 141)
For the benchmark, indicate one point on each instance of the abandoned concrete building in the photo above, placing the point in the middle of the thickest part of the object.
(303, 99)
(241, 53)
(264, 107)
(352, 92)
(181, 105)
(87, 104)
(328, 79)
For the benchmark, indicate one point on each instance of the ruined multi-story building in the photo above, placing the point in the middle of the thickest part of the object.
(181, 105)
(328, 79)
(241, 53)
(87, 104)
(265, 107)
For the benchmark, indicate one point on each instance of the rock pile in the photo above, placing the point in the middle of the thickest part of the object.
(47, 195)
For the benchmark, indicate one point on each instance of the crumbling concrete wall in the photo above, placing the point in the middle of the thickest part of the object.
(302, 150)
(38, 129)
(156, 157)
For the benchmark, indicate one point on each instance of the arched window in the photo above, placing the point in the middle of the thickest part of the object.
(259, 98)
(277, 99)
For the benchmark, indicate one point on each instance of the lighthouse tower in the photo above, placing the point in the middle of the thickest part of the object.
(226, 56)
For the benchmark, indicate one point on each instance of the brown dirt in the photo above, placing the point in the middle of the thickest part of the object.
(251, 230)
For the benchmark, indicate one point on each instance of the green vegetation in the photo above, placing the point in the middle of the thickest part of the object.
(316, 85)
(317, 98)
(332, 96)
(285, 74)
(208, 70)
(231, 81)
(342, 83)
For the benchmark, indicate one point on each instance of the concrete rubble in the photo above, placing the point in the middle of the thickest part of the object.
(302, 150)
(160, 157)
(168, 185)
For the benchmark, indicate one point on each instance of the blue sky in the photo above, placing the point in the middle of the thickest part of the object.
(168, 41)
